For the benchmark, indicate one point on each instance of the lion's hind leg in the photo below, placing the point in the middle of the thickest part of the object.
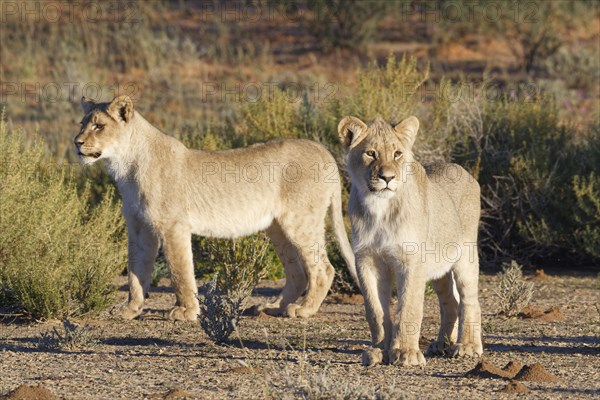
(295, 282)
(319, 277)
(307, 236)
(445, 288)
(466, 272)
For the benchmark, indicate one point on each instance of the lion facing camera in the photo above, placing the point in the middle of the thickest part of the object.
(171, 192)
(410, 225)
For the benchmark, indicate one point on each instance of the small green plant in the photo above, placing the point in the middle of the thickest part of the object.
(219, 312)
(513, 292)
(71, 337)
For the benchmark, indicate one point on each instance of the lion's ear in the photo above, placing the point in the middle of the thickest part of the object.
(87, 104)
(351, 130)
(121, 108)
(407, 130)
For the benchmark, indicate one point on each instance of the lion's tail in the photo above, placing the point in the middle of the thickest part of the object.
(337, 221)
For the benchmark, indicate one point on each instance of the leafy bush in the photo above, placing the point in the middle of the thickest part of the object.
(587, 214)
(275, 114)
(389, 91)
(534, 173)
(58, 256)
(513, 293)
(239, 264)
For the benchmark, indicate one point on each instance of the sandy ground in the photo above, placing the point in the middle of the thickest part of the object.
(291, 358)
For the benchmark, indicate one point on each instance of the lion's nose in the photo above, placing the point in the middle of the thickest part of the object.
(386, 178)
(78, 142)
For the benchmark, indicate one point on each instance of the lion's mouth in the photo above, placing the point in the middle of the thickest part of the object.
(95, 154)
(378, 190)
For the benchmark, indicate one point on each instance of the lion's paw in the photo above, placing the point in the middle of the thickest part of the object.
(131, 312)
(184, 314)
(372, 356)
(406, 357)
(296, 310)
(438, 348)
(467, 350)
(273, 309)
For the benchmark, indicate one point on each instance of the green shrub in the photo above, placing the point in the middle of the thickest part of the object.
(587, 214)
(275, 114)
(58, 257)
(389, 91)
(239, 263)
(536, 175)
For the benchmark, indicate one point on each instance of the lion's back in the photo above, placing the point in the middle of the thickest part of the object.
(462, 188)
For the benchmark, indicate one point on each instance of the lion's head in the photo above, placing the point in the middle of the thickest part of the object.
(103, 128)
(380, 157)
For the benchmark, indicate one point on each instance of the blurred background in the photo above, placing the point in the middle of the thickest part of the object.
(508, 89)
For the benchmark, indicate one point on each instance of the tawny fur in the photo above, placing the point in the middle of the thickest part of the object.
(171, 192)
(412, 224)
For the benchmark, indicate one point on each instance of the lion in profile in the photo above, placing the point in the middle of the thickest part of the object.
(170, 192)
(410, 225)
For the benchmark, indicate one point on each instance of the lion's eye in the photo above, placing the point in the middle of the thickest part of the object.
(97, 127)
(371, 153)
(397, 154)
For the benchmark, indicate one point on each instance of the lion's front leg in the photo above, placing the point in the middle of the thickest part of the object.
(142, 249)
(375, 283)
(409, 315)
(178, 250)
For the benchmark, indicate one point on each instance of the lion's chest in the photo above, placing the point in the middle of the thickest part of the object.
(137, 204)
(379, 225)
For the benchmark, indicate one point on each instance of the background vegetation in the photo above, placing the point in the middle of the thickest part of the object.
(512, 97)
(59, 254)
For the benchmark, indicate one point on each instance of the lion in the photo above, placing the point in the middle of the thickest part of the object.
(416, 224)
(170, 192)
